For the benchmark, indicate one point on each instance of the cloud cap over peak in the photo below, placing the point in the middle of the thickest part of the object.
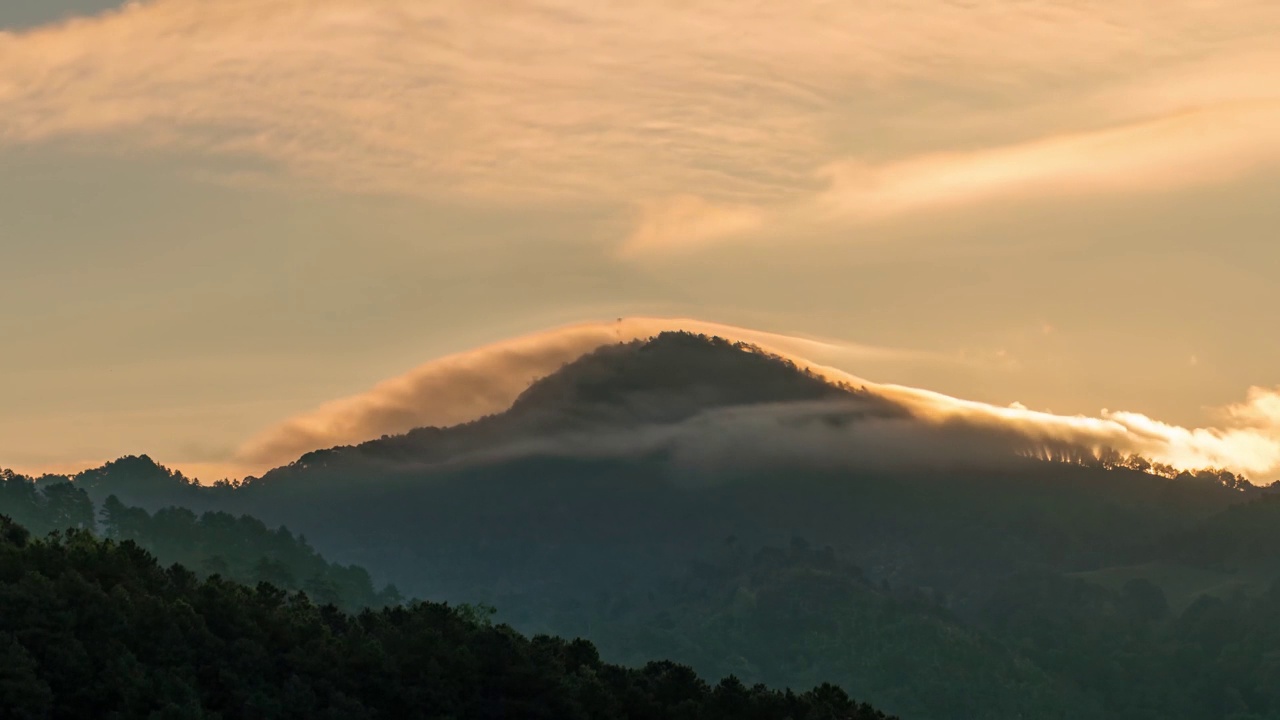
(468, 385)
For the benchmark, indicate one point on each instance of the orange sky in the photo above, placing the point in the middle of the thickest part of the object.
(218, 216)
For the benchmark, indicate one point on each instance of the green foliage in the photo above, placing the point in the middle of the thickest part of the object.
(1218, 658)
(800, 615)
(138, 480)
(244, 550)
(97, 628)
(45, 506)
(1245, 535)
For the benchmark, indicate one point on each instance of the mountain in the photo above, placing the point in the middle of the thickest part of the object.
(663, 447)
(602, 503)
(666, 380)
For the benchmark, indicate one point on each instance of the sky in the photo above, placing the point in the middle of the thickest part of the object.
(219, 218)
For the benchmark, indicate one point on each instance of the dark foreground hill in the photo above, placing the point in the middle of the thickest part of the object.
(92, 628)
(654, 497)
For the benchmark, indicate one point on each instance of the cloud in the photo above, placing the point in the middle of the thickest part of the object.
(469, 385)
(715, 115)
(1187, 149)
(836, 435)
(688, 221)
(1248, 442)
(1260, 410)
(774, 437)
(448, 391)
(946, 430)
(1249, 448)
(465, 386)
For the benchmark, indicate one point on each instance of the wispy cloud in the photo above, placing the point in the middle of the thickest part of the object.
(713, 116)
(688, 222)
(1247, 440)
(855, 433)
(1186, 149)
(1248, 448)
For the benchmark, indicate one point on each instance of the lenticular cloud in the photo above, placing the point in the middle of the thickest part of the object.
(469, 385)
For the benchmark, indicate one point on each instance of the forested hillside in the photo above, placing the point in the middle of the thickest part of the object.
(802, 612)
(96, 628)
(698, 500)
(241, 549)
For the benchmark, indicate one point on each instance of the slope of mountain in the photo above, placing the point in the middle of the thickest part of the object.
(802, 612)
(1244, 536)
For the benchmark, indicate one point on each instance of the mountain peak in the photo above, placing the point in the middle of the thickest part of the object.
(665, 379)
(670, 376)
